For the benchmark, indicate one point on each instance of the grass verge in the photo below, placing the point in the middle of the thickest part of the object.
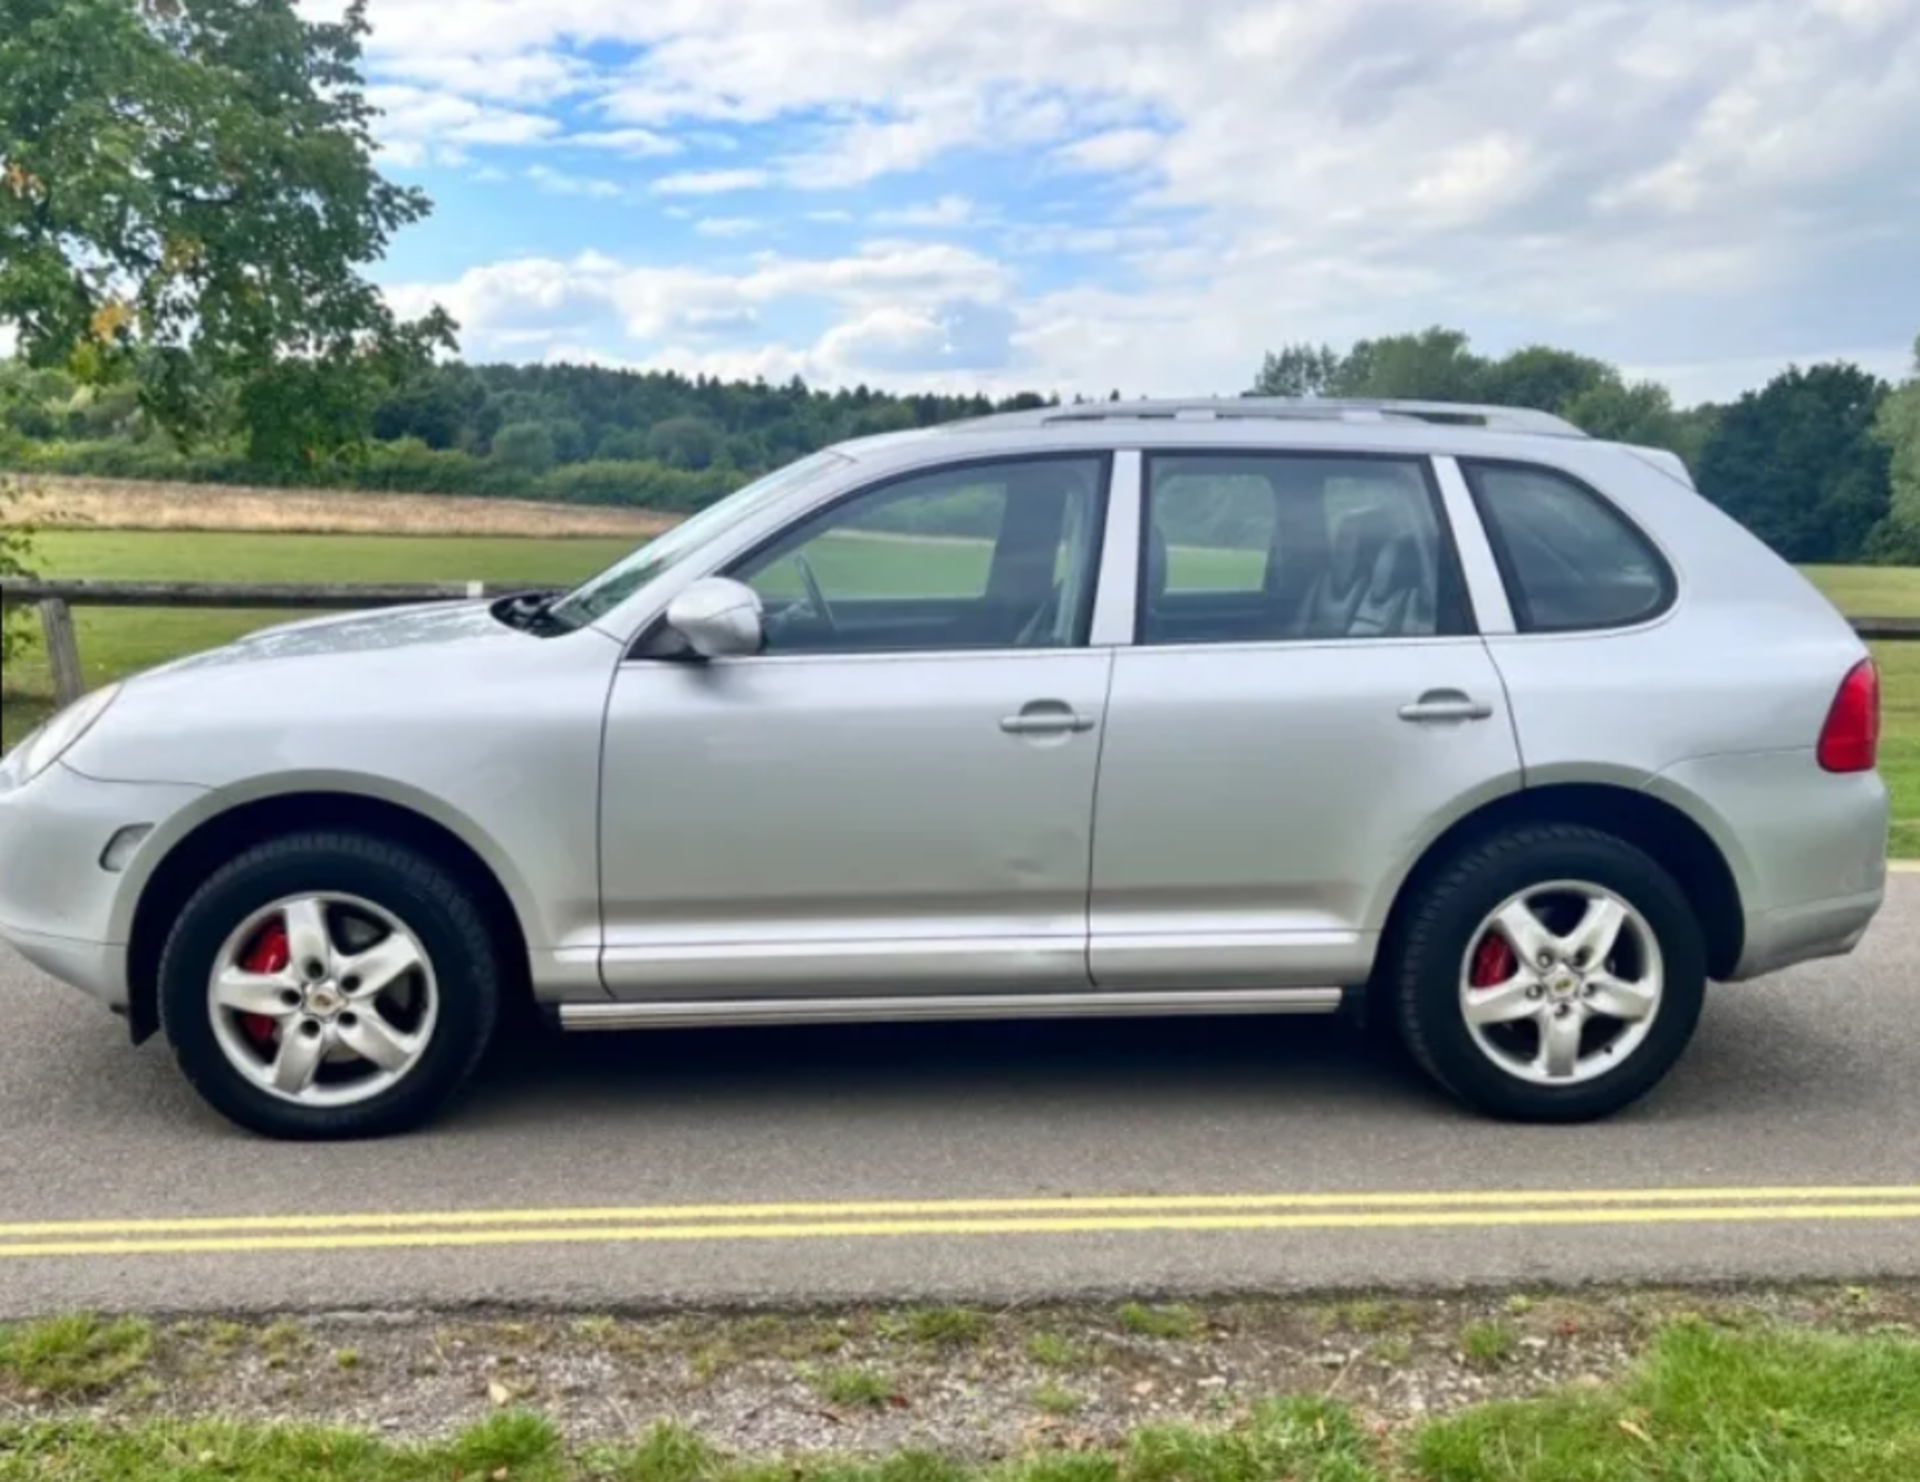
(1756, 1405)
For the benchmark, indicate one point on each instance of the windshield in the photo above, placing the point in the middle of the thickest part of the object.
(598, 597)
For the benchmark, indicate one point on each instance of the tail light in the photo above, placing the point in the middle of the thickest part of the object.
(1850, 742)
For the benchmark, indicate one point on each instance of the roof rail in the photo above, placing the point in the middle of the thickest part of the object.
(1238, 408)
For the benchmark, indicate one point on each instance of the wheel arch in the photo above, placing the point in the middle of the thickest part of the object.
(233, 825)
(1658, 827)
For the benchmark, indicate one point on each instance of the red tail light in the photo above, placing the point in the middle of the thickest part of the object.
(1851, 740)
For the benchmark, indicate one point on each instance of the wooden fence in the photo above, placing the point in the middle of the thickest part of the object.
(57, 599)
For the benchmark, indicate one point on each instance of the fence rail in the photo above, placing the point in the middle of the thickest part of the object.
(56, 599)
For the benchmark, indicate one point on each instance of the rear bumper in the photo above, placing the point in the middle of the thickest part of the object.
(1808, 850)
(1796, 934)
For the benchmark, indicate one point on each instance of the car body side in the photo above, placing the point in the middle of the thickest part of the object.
(404, 712)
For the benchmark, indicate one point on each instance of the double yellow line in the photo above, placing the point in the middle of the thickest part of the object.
(1155, 1214)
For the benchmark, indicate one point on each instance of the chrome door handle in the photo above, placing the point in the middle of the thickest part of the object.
(1046, 723)
(1446, 705)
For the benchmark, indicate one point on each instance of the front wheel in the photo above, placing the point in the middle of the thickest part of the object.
(1553, 974)
(329, 985)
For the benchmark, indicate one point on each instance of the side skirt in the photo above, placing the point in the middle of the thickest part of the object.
(717, 1013)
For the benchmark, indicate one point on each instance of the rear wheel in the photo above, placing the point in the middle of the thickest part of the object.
(329, 986)
(1554, 974)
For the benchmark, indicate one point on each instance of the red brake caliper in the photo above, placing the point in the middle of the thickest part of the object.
(269, 954)
(1493, 961)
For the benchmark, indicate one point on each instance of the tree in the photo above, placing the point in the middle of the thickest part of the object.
(16, 555)
(187, 196)
(1433, 365)
(1640, 413)
(1545, 378)
(1796, 462)
(1300, 370)
(526, 447)
(684, 442)
(1898, 430)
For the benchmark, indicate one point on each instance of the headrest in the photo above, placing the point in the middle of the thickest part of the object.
(1357, 543)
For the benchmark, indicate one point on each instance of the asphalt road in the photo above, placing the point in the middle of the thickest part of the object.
(970, 1162)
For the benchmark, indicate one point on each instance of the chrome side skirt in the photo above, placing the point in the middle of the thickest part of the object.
(717, 1013)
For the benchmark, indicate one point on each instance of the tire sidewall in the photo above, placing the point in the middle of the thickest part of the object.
(1431, 1011)
(411, 889)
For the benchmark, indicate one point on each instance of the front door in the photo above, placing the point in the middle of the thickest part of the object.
(896, 796)
(1304, 708)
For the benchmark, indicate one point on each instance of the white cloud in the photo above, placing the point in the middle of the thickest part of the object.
(532, 77)
(892, 306)
(1116, 149)
(729, 226)
(709, 182)
(1719, 181)
(638, 142)
(559, 182)
(949, 210)
(421, 124)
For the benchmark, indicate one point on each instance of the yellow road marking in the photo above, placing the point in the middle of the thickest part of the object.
(946, 1208)
(1475, 1209)
(877, 1229)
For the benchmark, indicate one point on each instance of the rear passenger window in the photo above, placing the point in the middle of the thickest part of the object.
(1570, 560)
(1251, 548)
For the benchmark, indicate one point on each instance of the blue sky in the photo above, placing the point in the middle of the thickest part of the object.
(1081, 195)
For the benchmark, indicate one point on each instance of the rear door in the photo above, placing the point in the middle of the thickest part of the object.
(1304, 707)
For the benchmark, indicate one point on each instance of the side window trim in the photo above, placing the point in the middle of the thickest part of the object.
(1452, 577)
(1485, 580)
(1102, 461)
(1117, 574)
(1524, 621)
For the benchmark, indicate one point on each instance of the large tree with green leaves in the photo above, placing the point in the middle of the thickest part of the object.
(1796, 462)
(188, 200)
(1898, 429)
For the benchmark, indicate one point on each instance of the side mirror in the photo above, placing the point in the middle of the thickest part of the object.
(719, 618)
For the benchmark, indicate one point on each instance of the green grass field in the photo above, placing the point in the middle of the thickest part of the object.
(113, 643)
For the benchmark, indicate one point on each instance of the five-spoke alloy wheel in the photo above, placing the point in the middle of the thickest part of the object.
(1554, 973)
(326, 1000)
(329, 985)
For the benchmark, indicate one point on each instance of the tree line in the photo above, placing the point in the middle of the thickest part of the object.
(1823, 462)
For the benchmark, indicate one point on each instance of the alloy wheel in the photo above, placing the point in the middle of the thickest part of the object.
(1562, 983)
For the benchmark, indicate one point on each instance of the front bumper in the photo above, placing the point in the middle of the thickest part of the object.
(63, 905)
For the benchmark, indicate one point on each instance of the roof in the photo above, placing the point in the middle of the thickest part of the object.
(1279, 409)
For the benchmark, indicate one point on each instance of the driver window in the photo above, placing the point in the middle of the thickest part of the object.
(985, 556)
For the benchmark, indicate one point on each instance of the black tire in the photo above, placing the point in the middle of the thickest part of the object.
(1421, 974)
(414, 889)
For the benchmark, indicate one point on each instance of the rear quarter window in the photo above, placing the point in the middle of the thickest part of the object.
(1571, 561)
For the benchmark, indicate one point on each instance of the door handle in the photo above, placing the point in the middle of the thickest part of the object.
(1035, 721)
(1444, 705)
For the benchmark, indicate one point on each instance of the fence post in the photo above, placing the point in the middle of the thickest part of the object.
(63, 651)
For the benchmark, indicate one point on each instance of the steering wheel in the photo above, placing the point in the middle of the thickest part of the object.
(815, 597)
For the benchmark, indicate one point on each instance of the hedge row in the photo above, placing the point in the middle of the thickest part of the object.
(406, 467)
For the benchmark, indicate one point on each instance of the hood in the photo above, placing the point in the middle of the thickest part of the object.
(355, 632)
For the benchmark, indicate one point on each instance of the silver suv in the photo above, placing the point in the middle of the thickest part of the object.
(1245, 707)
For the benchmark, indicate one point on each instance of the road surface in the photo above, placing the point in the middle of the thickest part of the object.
(970, 1162)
